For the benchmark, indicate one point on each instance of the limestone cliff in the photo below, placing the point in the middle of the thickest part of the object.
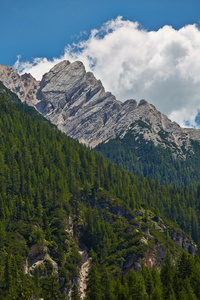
(77, 103)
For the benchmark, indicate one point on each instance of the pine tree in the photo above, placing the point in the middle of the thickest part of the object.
(167, 279)
(93, 286)
(139, 291)
(75, 293)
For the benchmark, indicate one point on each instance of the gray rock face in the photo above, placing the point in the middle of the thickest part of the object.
(184, 242)
(25, 86)
(77, 103)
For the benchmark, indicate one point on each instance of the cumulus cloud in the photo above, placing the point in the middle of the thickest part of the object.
(133, 63)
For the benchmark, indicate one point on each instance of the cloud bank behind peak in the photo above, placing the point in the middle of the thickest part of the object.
(161, 66)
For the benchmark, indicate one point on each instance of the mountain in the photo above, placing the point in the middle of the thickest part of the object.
(77, 103)
(134, 135)
(65, 212)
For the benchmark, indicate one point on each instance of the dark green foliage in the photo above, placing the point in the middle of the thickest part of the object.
(147, 284)
(142, 157)
(181, 206)
(45, 178)
(75, 293)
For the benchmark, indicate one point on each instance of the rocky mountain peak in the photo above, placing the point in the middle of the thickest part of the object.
(77, 103)
(69, 80)
(143, 102)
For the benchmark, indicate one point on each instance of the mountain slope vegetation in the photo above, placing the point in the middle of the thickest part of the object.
(142, 157)
(48, 179)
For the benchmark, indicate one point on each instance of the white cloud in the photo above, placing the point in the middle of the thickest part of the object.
(159, 66)
(37, 67)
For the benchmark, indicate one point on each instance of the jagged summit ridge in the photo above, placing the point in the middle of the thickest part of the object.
(78, 104)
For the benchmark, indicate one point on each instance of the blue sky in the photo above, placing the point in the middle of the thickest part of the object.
(151, 52)
(44, 27)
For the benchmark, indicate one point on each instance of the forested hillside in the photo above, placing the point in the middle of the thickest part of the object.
(57, 196)
(165, 164)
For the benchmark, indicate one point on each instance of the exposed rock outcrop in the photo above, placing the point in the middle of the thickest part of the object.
(85, 267)
(184, 242)
(39, 257)
(77, 103)
(25, 86)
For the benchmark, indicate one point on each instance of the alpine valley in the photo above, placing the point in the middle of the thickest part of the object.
(74, 225)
